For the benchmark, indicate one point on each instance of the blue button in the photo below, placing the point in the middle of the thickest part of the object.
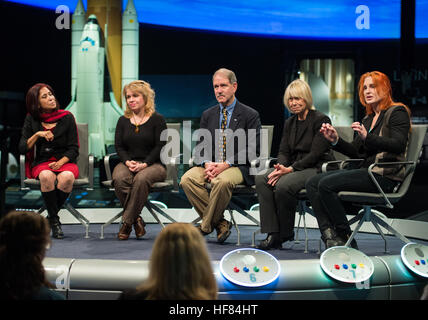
(345, 266)
(423, 262)
(246, 269)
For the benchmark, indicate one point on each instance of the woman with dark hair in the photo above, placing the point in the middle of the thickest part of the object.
(24, 239)
(54, 134)
(381, 136)
(138, 144)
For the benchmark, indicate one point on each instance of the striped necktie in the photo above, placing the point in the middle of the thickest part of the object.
(223, 140)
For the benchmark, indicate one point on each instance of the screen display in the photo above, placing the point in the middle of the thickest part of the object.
(312, 19)
(421, 21)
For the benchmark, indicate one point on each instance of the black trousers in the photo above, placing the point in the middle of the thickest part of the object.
(322, 191)
(278, 204)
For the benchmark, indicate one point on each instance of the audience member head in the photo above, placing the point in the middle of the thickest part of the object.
(24, 238)
(37, 96)
(298, 89)
(145, 90)
(180, 267)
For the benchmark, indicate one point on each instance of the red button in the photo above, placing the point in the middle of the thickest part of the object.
(236, 269)
(336, 266)
(417, 262)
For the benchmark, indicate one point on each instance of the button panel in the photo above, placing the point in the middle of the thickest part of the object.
(346, 264)
(258, 267)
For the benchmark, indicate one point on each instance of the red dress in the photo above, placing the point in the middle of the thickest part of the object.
(72, 167)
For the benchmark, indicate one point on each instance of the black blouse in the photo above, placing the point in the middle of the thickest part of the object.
(65, 142)
(144, 145)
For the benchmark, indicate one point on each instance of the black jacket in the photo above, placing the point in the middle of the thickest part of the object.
(243, 117)
(65, 142)
(395, 142)
(307, 150)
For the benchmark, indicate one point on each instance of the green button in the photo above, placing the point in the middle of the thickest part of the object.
(353, 266)
(256, 269)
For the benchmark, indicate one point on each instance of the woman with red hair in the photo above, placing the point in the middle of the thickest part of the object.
(54, 134)
(382, 135)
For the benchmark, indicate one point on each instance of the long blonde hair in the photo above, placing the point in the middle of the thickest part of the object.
(146, 91)
(180, 267)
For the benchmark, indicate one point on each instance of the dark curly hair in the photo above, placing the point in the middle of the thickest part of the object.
(24, 237)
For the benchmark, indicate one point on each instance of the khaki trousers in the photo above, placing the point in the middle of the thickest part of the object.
(210, 206)
(132, 189)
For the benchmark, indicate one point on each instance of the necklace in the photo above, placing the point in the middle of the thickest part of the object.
(137, 125)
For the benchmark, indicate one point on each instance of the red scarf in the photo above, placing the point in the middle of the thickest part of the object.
(46, 118)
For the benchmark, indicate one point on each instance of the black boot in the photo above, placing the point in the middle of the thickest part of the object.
(61, 197)
(51, 203)
(330, 238)
(272, 241)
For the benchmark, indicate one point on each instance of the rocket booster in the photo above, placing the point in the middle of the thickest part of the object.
(77, 23)
(130, 44)
(90, 83)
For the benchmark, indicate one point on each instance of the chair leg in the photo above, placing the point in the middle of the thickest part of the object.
(196, 220)
(296, 240)
(149, 207)
(160, 211)
(236, 226)
(79, 217)
(389, 228)
(360, 223)
(381, 234)
(306, 234)
(109, 223)
(253, 242)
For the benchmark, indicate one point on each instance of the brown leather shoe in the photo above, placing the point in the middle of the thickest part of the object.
(139, 227)
(124, 231)
(223, 230)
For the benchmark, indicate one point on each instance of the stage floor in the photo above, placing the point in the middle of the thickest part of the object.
(75, 246)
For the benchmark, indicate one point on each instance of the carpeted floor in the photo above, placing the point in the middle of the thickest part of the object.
(74, 245)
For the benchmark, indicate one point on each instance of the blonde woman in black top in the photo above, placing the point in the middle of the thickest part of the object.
(138, 144)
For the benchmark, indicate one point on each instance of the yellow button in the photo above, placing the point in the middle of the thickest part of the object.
(361, 265)
(265, 269)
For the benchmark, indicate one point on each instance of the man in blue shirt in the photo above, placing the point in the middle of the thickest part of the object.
(224, 170)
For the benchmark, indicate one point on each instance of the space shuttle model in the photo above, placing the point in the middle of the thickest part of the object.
(96, 99)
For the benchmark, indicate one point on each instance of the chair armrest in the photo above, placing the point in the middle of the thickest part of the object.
(370, 171)
(324, 167)
(107, 165)
(91, 160)
(22, 172)
(265, 162)
(174, 162)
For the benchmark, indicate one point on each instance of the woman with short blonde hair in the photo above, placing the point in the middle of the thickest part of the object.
(302, 152)
(300, 89)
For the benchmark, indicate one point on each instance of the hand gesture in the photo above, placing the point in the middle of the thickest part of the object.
(48, 135)
(329, 132)
(360, 129)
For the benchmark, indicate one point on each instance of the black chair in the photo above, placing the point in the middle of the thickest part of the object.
(85, 163)
(169, 185)
(381, 199)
